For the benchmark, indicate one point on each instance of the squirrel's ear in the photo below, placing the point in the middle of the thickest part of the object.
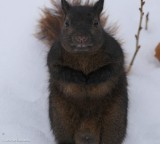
(65, 6)
(99, 6)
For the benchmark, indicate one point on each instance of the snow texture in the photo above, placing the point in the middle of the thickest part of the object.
(24, 76)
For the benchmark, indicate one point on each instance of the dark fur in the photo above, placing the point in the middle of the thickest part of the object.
(88, 90)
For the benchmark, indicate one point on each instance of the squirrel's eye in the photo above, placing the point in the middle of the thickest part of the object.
(96, 23)
(67, 24)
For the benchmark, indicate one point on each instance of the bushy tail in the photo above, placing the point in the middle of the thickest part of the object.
(50, 24)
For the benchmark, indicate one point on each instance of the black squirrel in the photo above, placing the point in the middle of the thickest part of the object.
(88, 87)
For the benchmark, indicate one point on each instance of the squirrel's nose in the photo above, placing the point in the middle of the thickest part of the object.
(81, 39)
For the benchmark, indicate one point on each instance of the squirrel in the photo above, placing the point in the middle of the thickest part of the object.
(88, 98)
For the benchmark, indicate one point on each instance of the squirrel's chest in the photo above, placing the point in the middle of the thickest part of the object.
(75, 90)
(75, 84)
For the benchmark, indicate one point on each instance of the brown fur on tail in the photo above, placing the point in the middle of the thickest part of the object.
(52, 20)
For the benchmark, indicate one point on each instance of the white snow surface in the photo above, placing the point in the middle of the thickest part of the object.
(24, 77)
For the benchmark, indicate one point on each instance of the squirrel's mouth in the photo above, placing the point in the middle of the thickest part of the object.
(82, 46)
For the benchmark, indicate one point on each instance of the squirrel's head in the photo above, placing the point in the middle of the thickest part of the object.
(82, 30)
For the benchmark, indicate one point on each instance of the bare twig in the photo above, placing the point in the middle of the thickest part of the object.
(147, 20)
(137, 36)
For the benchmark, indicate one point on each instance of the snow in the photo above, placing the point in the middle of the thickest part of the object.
(24, 76)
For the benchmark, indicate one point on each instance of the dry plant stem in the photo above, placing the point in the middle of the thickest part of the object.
(147, 20)
(137, 36)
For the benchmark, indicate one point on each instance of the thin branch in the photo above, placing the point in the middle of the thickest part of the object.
(137, 36)
(147, 20)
